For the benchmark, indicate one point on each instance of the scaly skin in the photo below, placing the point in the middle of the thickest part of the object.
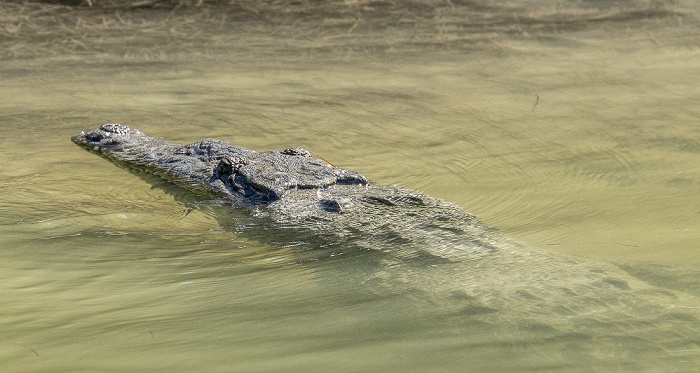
(292, 188)
(241, 174)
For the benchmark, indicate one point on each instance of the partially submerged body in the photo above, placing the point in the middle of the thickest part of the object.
(293, 188)
(425, 246)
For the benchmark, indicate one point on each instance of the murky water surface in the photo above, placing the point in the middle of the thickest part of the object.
(583, 142)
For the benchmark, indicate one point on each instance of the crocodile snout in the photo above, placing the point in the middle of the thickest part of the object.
(109, 135)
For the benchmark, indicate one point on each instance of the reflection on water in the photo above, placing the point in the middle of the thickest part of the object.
(577, 140)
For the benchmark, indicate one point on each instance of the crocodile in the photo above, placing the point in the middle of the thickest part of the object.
(422, 246)
(294, 188)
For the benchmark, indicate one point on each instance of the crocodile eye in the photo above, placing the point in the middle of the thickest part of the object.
(224, 166)
(230, 164)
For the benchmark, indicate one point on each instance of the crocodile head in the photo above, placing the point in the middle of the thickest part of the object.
(108, 136)
(246, 175)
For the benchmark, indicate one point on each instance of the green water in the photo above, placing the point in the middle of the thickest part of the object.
(583, 142)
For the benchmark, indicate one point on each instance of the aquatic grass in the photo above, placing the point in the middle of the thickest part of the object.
(157, 28)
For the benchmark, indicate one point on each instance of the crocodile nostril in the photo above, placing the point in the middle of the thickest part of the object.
(93, 136)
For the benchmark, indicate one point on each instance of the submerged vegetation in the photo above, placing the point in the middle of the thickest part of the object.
(68, 27)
